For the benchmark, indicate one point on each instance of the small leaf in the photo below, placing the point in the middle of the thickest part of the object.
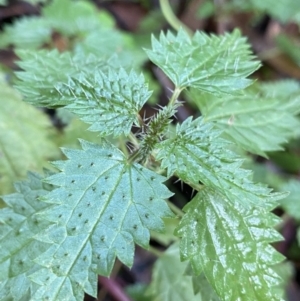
(18, 226)
(103, 206)
(170, 282)
(197, 154)
(230, 244)
(260, 120)
(110, 103)
(26, 33)
(44, 70)
(215, 64)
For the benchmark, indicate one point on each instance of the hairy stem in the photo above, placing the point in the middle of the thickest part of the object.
(156, 129)
(175, 209)
(155, 251)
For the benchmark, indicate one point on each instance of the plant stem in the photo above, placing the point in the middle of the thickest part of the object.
(175, 209)
(113, 288)
(171, 18)
(133, 140)
(155, 251)
(123, 146)
(175, 96)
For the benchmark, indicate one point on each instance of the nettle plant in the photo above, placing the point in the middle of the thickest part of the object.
(61, 230)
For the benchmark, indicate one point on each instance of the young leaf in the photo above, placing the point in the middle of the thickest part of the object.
(171, 283)
(209, 63)
(197, 154)
(18, 226)
(24, 138)
(109, 102)
(235, 254)
(103, 206)
(260, 120)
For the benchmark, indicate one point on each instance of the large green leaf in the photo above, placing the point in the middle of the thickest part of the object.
(110, 101)
(103, 205)
(171, 283)
(230, 244)
(24, 138)
(18, 226)
(259, 120)
(206, 62)
(196, 154)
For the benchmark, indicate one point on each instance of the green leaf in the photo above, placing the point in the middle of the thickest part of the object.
(19, 224)
(25, 142)
(137, 292)
(45, 71)
(72, 17)
(75, 130)
(171, 283)
(260, 120)
(167, 236)
(103, 206)
(197, 154)
(291, 204)
(286, 271)
(281, 10)
(289, 46)
(28, 32)
(52, 79)
(230, 244)
(209, 63)
(109, 102)
(105, 42)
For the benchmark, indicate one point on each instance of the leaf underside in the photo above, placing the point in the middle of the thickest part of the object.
(196, 154)
(235, 253)
(102, 207)
(215, 64)
(260, 120)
